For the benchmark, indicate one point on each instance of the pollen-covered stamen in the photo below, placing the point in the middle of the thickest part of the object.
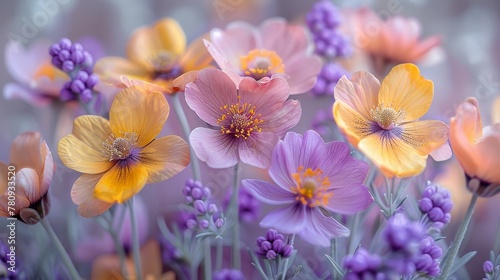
(163, 61)
(312, 187)
(260, 63)
(387, 117)
(240, 120)
(120, 147)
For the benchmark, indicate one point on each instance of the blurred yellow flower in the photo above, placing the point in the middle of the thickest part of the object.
(381, 120)
(156, 54)
(118, 157)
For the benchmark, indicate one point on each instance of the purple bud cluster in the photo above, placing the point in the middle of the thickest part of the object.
(323, 20)
(229, 274)
(77, 63)
(327, 79)
(428, 261)
(436, 204)
(196, 196)
(272, 245)
(363, 265)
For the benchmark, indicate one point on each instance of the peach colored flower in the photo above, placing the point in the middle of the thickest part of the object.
(156, 54)
(29, 179)
(495, 112)
(476, 148)
(381, 120)
(118, 157)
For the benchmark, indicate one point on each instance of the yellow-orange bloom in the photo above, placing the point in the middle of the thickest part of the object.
(381, 120)
(476, 148)
(118, 157)
(156, 54)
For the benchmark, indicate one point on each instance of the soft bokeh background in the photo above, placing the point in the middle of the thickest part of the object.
(470, 36)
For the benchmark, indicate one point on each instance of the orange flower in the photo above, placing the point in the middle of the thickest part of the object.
(157, 55)
(382, 120)
(29, 178)
(476, 148)
(118, 157)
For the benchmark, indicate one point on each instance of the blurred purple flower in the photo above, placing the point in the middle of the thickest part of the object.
(5, 258)
(488, 267)
(229, 274)
(436, 203)
(428, 261)
(248, 207)
(327, 79)
(363, 265)
(273, 244)
(310, 174)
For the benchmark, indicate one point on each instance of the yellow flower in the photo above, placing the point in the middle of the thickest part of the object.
(381, 120)
(156, 54)
(118, 157)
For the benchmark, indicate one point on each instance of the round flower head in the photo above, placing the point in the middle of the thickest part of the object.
(31, 166)
(312, 176)
(476, 148)
(156, 54)
(118, 157)
(381, 120)
(248, 121)
(274, 49)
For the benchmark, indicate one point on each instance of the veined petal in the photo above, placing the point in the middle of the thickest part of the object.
(164, 157)
(302, 70)
(110, 69)
(82, 195)
(27, 180)
(404, 89)
(487, 152)
(283, 165)
(267, 97)
(284, 119)
(79, 156)
(360, 93)
(48, 168)
(235, 41)
(257, 149)
(392, 155)
(275, 29)
(179, 84)
(268, 193)
(424, 136)
(25, 151)
(196, 56)
(138, 111)
(353, 124)
(320, 229)
(214, 148)
(349, 199)
(289, 219)
(120, 183)
(92, 130)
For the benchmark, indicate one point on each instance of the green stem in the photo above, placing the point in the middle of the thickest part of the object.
(106, 224)
(195, 165)
(207, 262)
(285, 266)
(64, 255)
(458, 239)
(236, 260)
(218, 256)
(136, 250)
(333, 254)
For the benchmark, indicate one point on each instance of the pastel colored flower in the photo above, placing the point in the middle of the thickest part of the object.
(156, 54)
(311, 176)
(248, 121)
(275, 49)
(30, 175)
(118, 157)
(38, 82)
(381, 120)
(476, 148)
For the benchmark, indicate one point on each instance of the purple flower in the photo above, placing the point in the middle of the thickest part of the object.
(310, 174)
(5, 258)
(428, 261)
(436, 203)
(327, 79)
(248, 206)
(229, 274)
(272, 245)
(362, 265)
(488, 267)
(249, 119)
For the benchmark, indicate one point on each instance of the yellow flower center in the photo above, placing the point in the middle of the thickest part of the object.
(312, 187)
(239, 119)
(387, 118)
(163, 61)
(118, 148)
(260, 63)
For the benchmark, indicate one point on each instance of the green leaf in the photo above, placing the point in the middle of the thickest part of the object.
(462, 261)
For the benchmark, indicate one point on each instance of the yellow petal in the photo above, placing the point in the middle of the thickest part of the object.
(392, 155)
(79, 156)
(82, 195)
(360, 93)
(120, 183)
(110, 69)
(165, 157)
(424, 136)
(165, 36)
(141, 112)
(196, 56)
(496, 110)
(353, 124)
(406, 90)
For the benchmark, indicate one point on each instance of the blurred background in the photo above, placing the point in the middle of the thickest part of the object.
(470, 40)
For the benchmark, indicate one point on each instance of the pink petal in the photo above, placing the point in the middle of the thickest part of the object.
(27, 180)
(214, 148)
(303, 70)
(267, 97)
(360, 93)
(22, 63)
(33, 97)
(284, 119)
(319, 229)
(82, 195)
(212, 90)
(425, 46)
(442, 153)
(283, 38)
(268, 193)
(257, 149)
(290, 219)
(48, 170)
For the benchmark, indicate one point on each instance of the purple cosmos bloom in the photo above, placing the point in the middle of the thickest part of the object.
(248, 119)
(309, 175)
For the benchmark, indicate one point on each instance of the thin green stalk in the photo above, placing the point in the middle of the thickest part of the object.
(136, 249)
(333, 254)
(458, 239)
(106, 224)
(236, 260)
(218, 255)
(64, 255)
(207, 262)
(285, 266)
(195, 165)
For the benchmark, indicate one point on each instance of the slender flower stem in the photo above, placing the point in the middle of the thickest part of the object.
(64, 255)
(458, 239)
(106, 223)
(285, 266)
(195, 164)
(135, 240)
(236, 260)
(218, 255)
(333, 254)
(207, 260)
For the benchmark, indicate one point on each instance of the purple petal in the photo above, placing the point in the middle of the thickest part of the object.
(33, 97)
(257, 149)
(214, 148)
(268, 193)
(320, 229)
(284, 163)
(350, 199)
(290, 219)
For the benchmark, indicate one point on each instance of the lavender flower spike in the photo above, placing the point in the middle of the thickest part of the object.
(436, 203)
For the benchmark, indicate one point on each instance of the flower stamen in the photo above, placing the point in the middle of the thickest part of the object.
(312, 187)
(260, 63)
(387, 117)
(240, 120)
(119, 148)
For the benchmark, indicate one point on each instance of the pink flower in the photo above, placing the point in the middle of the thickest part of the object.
(38, 82)
(312, 176)
(274, 49)
(248, 121)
